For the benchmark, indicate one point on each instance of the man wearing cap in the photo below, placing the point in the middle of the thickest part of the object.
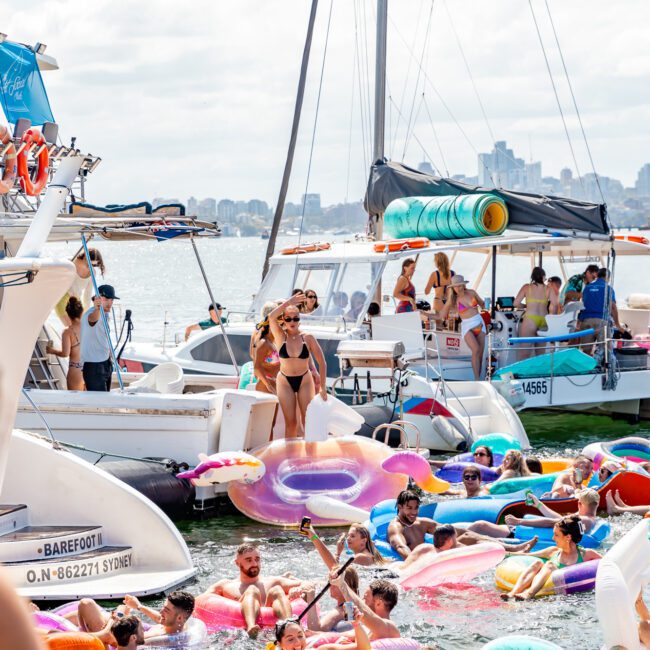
(215, 318)
(95, 346)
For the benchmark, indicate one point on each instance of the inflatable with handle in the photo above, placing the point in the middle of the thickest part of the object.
(223, 467)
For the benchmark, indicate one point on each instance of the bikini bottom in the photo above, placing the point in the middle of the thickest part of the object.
(294, 380)
(540, 321)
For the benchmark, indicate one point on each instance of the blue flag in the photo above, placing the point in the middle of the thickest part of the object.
(22, 93)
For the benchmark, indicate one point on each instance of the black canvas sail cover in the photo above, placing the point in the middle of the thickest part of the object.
(391, 180)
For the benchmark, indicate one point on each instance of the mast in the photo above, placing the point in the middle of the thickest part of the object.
(279, 209)
(376, 226)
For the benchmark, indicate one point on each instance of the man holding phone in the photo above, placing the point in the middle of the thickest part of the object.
(95, 346)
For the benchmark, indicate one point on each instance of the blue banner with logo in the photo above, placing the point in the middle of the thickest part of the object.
(22, 93)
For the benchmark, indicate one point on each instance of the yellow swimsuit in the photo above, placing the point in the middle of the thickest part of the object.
(540, 321)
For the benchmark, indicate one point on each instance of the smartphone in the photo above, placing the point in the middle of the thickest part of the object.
(304, 526)
(348, 608)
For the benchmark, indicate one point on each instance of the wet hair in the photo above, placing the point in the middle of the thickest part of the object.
(407, 495)
(534, 464)
(572, 525)
(592, 268)
(443, 534)
(74, 308)
(407, 262)
(386, 591)
(246, 547)
(588, 496)
(442, 263)
(489, 453)
(555, 280)
(370, 545)
(182, 600)
(537, 276)
(95, 256)
(374, 309)
(123, 628)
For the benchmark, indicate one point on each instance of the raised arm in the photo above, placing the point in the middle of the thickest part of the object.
(274, 316)
(134, 603)
(323, 551)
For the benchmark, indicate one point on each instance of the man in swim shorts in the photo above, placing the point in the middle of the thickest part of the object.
(170, 620)
(378, 601)
(407, 531)
(254, 592)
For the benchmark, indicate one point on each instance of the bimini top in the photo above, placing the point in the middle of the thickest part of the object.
(510, 243)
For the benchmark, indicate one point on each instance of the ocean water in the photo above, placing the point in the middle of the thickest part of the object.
(161, 281)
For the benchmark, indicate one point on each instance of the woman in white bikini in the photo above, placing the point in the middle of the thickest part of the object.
(472, 328)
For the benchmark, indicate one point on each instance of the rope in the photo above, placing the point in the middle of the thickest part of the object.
(435, 136)
(313, 133)
(357, 52)
(575, 103)
(557, 98)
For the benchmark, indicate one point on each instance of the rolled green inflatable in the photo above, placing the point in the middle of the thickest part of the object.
(446, 217)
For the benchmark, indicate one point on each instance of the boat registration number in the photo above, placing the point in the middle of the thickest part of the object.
(535, 387)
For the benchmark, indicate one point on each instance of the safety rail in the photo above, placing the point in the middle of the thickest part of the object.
(400, 426)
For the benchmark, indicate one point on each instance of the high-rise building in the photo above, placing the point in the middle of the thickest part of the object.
(501, 168)
(207, 209)
(192, 206)
(566, 176)
(260, 208)
(226, 210)
(642, 184)
(312, 204)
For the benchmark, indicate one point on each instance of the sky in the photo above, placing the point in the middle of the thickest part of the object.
(196, 99)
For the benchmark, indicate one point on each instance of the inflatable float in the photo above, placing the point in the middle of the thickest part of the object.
(224, 467)
(568, 580)
(195, 635)
(415, 466)
(455, 565)
(632, 448)
(520, 642)
(51, 621)
(593, 539)
(622, 573)
(382, 644)
(218, 612)
(72, 641)
(347, 469)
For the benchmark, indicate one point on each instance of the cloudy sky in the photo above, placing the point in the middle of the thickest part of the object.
(196, 98)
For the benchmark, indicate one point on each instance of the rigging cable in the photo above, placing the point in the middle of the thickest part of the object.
(313, 133)
(364, 135)
(469, 72)
(557, 98)
(354, 78)
(435, 136)
(575, 103)
(417, 82)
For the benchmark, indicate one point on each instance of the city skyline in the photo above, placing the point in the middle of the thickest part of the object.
(180, 103)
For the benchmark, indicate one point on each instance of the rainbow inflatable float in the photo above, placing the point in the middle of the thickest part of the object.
(347, 469)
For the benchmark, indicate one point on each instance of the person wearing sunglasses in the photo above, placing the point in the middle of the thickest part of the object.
(311, 306)
(483, 456)
(295, 383)
(472, 483)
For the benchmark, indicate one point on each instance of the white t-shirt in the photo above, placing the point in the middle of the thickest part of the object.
(94, 344)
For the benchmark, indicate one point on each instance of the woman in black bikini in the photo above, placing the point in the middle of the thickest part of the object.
(295, 384)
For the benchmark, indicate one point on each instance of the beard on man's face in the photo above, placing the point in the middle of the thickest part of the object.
(251, 572)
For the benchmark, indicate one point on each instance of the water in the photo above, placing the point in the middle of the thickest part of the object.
(157, 278)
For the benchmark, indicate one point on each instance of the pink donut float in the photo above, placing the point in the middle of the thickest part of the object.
(50, 621)
(381, 644)
(347, 469)
(218, 612)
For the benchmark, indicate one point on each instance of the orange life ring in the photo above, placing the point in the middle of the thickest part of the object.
(637, 239)
(9, 175)
(29, 186)
(306, 248)
(393, 245)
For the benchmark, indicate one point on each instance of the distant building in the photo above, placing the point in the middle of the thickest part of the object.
(312, 204)
(207, 209)
(192, 206)
(642, 184)
(260, 208)
(226, 210)
(533, 177)
(241, 207)
(501, 168)
(426, 168)
(566, 176)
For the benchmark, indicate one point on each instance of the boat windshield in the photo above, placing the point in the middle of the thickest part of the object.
(344, 290)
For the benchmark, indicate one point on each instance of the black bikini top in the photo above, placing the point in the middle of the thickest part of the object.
(283, 353)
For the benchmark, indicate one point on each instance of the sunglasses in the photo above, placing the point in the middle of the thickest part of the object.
(470, 477)
(480, 453)
(311, 297)
(295, 319)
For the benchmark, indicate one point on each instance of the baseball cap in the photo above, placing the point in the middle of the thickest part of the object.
(107, 291)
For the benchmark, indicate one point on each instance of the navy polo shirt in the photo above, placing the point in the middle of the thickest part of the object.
(595, 298)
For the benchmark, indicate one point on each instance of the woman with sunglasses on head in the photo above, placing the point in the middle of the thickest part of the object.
(472, 328)
(82, 285)
(567, 534)
(295, 383)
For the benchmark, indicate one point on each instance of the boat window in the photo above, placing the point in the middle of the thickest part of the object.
(318, 278)
(214, 349)
(354, 290)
